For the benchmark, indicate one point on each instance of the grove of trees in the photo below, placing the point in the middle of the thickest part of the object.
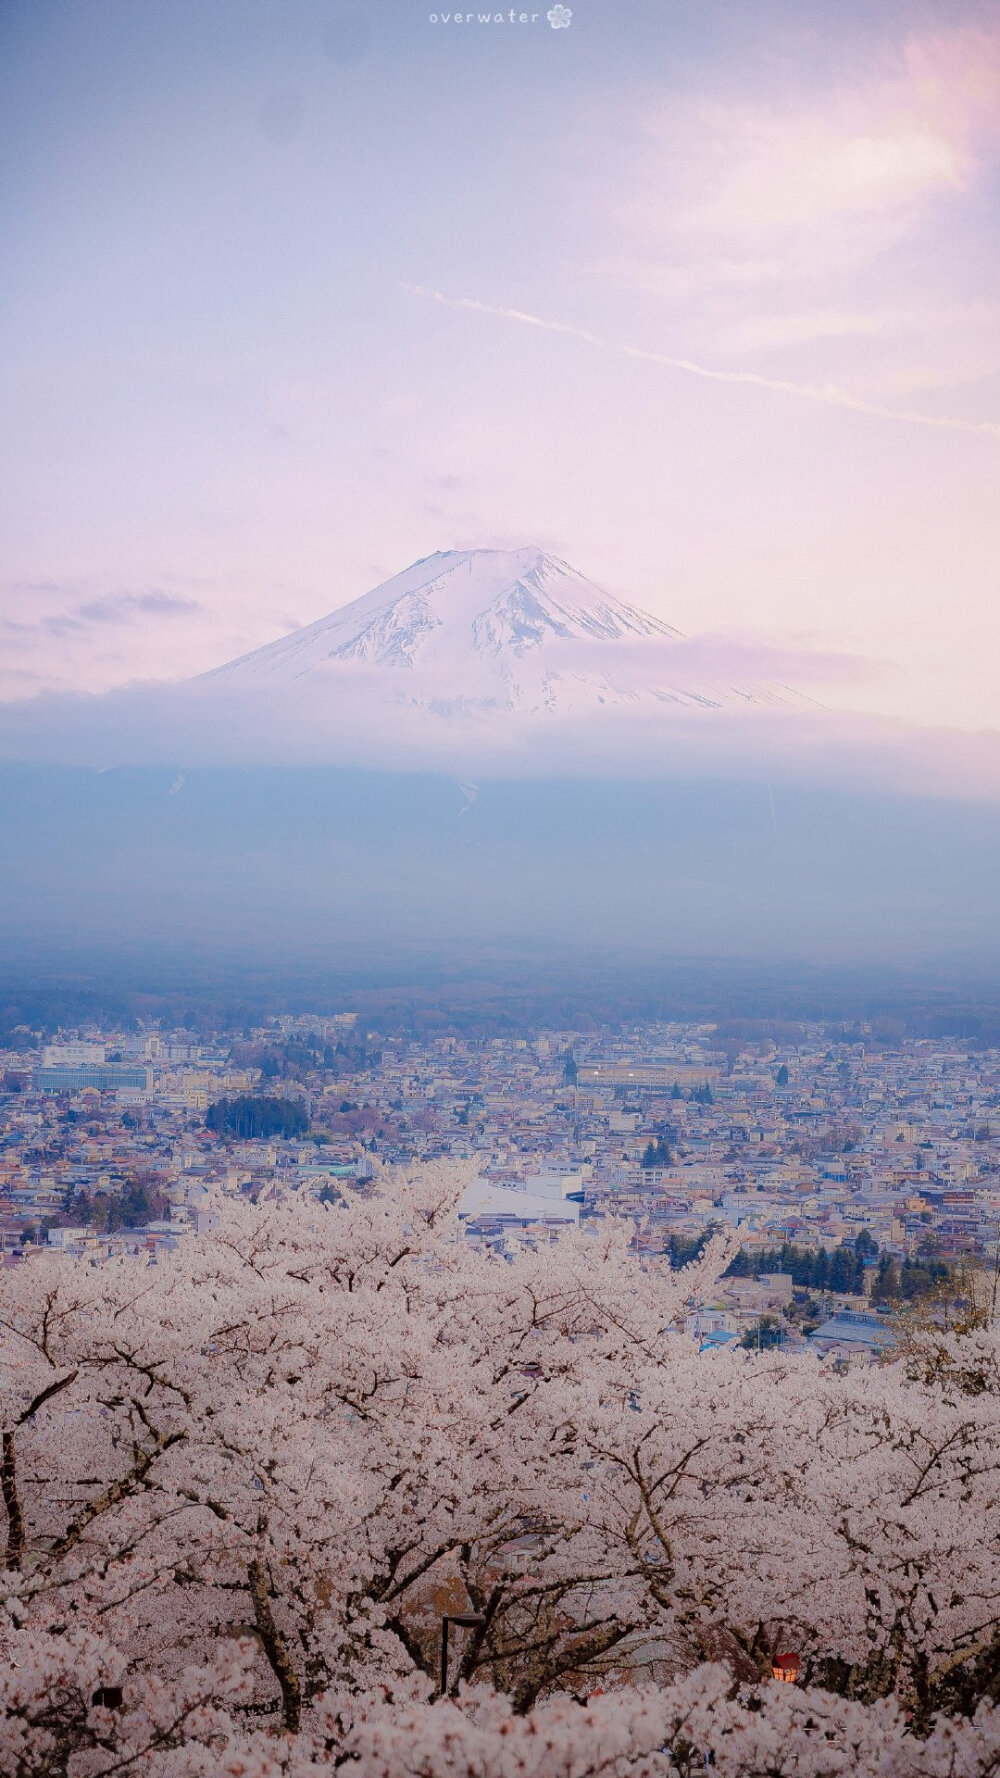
(250, 1115)
(136, 1202)
(242, 1488)
(810, 1268)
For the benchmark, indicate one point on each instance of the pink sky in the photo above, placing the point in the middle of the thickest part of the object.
(230, 409)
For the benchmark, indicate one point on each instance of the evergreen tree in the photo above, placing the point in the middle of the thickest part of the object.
(888, 1282)
(657, 1154)
(247, 1117)
(842, 1270)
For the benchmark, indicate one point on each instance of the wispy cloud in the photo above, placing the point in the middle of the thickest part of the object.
(119, 608)
(772, 181)
(71, 635)
(112, 608)
(769, 224)
(826, 393)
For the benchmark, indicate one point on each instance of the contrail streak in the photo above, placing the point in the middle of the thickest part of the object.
(826, 392)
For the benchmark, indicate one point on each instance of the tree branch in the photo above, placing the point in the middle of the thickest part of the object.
(116, 1492)
(275, 1648)
(12, 1501)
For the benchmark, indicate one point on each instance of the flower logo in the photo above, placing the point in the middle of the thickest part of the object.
(560, 18)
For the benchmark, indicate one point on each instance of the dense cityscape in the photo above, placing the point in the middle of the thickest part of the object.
(853, 1177)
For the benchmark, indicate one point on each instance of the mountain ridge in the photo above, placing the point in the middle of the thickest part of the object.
(493, 630)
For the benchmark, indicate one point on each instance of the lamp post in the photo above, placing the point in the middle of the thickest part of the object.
(463, 1620)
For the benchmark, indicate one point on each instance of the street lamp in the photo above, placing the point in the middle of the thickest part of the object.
(463, 1620)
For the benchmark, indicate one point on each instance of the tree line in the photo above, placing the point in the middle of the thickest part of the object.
(249, 1115)
(811, 1268)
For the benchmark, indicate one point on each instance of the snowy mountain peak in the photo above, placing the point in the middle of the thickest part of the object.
(483, 601)
(485, 630)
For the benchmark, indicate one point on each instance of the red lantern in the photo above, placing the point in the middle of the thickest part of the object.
(786, 1668)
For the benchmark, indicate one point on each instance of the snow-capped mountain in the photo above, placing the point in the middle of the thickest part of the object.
(490, 631)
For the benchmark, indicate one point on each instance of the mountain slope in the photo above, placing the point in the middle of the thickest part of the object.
(492, 630)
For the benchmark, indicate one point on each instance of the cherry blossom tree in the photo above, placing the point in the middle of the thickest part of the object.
(243, 1486)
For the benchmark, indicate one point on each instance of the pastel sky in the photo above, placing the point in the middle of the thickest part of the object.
(274, 278)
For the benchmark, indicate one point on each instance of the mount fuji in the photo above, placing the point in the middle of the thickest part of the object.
(487, 751)
(489, 632)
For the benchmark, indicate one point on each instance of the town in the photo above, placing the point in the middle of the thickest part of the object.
(853, 1175)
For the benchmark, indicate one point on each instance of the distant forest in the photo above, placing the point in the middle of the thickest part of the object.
(247, 1116)
(498, 996)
